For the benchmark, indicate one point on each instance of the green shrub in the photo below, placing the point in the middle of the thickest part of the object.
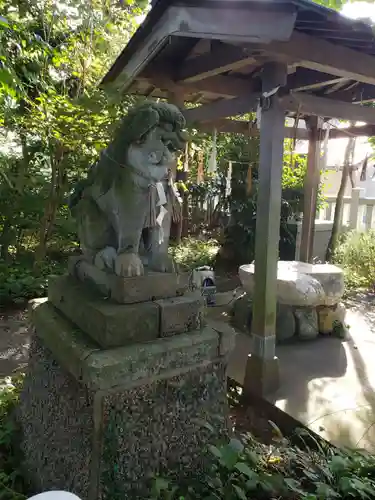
(247, 469)
(12, 486)
(19, 282)
(238, 469)
(192, 252)
(356, 254)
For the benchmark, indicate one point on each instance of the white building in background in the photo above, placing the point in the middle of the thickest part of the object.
(332, 177)
(335, 160)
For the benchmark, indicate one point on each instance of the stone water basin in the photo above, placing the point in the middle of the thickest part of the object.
(301, 284)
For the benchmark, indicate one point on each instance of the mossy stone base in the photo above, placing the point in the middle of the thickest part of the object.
(108, 324)
(115, 325)
(100, 422)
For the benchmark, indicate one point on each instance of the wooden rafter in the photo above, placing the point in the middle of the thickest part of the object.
(246, 128)
(304, 79)
(222, 108)
(298, 102)
(356, 93)
(220, 60)
(320, 55)
(321, 106)
(227, 86)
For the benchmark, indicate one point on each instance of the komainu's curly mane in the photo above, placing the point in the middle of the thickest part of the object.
(134, 127)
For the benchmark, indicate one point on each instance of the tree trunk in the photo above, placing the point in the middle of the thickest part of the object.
(51, 206)
(333, 241)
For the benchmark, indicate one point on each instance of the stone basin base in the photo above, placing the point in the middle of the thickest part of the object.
(308, 300)
(293, 323)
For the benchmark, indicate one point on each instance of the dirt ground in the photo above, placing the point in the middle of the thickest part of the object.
(14, 341)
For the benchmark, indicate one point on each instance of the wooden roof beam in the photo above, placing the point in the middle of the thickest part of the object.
(246, 128)
(304, 79)
(327, 57)
(227, 86)
(221, 59)
(222, 108)
(307, 104)
(356, 93)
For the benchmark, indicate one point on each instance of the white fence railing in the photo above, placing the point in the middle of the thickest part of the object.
(358, 212)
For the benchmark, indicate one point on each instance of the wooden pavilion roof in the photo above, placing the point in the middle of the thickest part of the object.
(213, 51)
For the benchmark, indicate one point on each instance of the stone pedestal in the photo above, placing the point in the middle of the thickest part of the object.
(116, 393)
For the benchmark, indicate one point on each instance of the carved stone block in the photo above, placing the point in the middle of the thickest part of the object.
(131, 290)
(180, 314)
(108, 324)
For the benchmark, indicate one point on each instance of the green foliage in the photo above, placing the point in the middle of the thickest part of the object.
(244, 469)
(19, 282)
(239, 244)
(55, 119)
(356, 254)
(332, 4)
(192, 252)
(12, 486)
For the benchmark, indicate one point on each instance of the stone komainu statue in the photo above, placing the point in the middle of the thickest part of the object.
(125, 206)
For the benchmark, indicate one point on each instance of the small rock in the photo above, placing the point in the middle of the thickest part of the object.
(285, 323)
(307, 323)
(330, 317)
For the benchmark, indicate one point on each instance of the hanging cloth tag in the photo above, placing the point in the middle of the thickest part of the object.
(160, 217)
(159, 222)
(162, 199)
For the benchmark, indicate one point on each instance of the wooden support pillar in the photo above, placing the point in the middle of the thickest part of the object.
(262, 369)
(311, 187)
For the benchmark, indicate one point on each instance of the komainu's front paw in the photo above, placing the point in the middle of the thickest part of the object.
(106, 258)
(162, 263)
(128, 264)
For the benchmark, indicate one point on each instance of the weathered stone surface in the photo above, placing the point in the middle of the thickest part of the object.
(56, 416)
(331, 317)
(124, 206)
(293, 288)
(70, 345)
(180, 314)
(125, 366)
(301, 284)
(242, 312)
(154, 428)
(307, 323)
(110, 325)
(332, 280)
(107, 444)
(227, 336)
(151, 286)
(142, 363)
(285, 323)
